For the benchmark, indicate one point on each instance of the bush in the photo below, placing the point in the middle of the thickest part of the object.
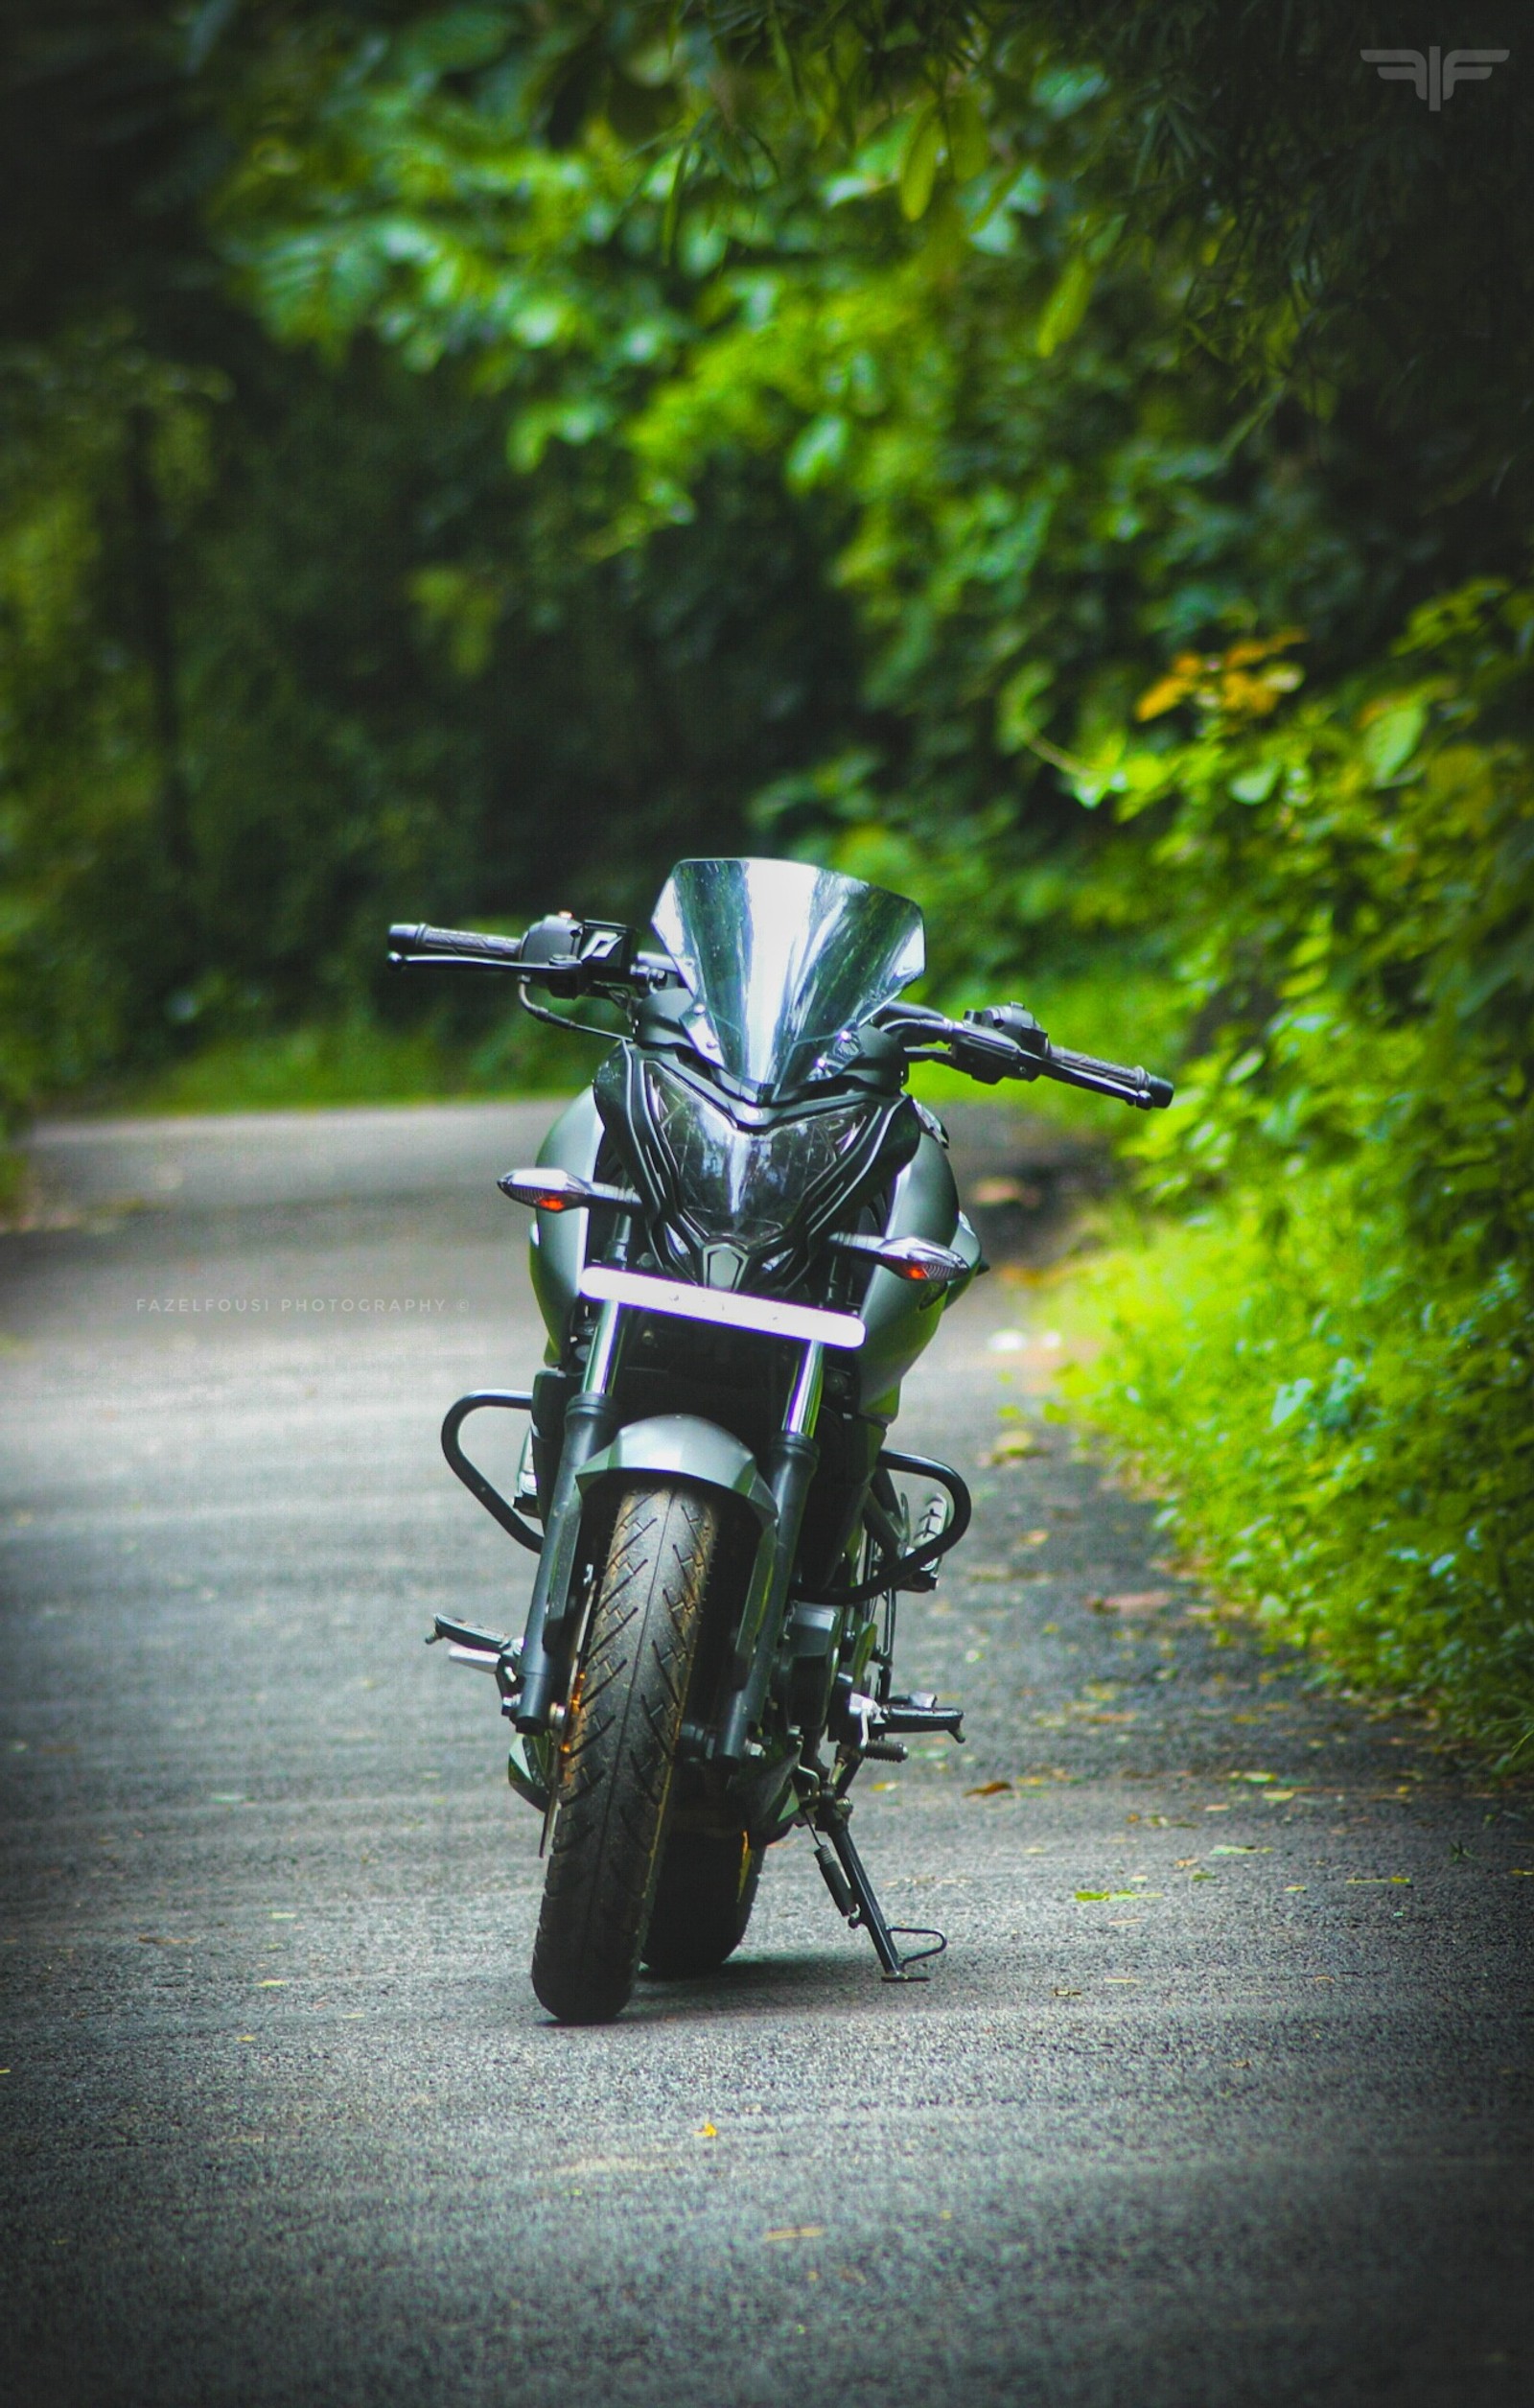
(1332, 1362)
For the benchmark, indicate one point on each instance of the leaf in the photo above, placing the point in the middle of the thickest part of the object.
(1065, 308)
(1015, 716)
(1019, 1447)
(818, 452)
(707, 2132)
(1391, 736)
(1164, 695)
(968, 144)
(1132, 1601)
(919, 166)
(988, 1789)
(1097, 1896)
(795, 2232)
(1255, 785)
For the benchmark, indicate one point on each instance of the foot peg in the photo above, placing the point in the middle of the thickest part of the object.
(870, 1724)
(921, 1712)
(467, 1634)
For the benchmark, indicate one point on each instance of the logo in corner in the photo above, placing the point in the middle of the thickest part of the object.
(1435, 75)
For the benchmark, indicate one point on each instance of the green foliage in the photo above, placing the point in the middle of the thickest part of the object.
(1343, 1438)
(355, 1061)
(458, 459)
(1333, 1366)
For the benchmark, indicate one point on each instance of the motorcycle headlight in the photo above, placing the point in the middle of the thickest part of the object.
(742, 1182)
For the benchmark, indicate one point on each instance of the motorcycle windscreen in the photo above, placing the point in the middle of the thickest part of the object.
(781, 957)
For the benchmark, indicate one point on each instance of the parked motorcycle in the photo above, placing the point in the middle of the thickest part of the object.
(745, 1232)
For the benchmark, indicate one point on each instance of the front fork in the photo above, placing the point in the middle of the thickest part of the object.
(542, 1659)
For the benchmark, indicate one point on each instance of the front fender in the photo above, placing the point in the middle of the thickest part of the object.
(682, 1446)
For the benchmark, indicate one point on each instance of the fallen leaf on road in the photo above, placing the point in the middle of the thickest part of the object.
(1522, 1872)
(1096, 1897)
(1065, 1994)
(707, 2132)
(1132, 1601)
(1277, 1797)
(988, 1789)
(1018, 1446)
(1378, 1881)
(795, 2232)
(1239, 1848)
(1123, 1981)
(1291, 1890)
(272, 1985)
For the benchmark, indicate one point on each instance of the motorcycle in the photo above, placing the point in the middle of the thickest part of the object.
(745, 1231)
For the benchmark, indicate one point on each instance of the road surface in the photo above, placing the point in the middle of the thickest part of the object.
(1221, 2095)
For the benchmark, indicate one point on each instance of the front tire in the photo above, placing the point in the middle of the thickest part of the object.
(617, 1755)
(703, 1904)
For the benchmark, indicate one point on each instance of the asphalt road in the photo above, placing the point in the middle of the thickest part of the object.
(1221, 2095)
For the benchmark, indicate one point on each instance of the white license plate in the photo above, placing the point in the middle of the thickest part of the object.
(810, 1323)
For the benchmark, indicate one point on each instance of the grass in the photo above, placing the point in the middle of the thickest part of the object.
(353, 1061)
(1328, 1442)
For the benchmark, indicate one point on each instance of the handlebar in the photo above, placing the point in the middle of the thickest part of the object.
(569, 957)
(1035, 1057)
(1004, 1041)
(579, 957)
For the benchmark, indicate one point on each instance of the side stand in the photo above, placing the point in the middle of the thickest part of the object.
(846, 1877)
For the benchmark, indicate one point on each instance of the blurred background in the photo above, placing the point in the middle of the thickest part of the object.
(1070, 462)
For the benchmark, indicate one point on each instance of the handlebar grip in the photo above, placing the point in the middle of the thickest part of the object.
(461, 944)
(1137, 1087)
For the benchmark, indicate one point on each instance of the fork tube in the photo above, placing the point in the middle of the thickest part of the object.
(790, 1469)
(805, 1403)
(588, 1420)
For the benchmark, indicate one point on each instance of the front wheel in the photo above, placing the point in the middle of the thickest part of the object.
(616, 1760)
(702, 1905)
